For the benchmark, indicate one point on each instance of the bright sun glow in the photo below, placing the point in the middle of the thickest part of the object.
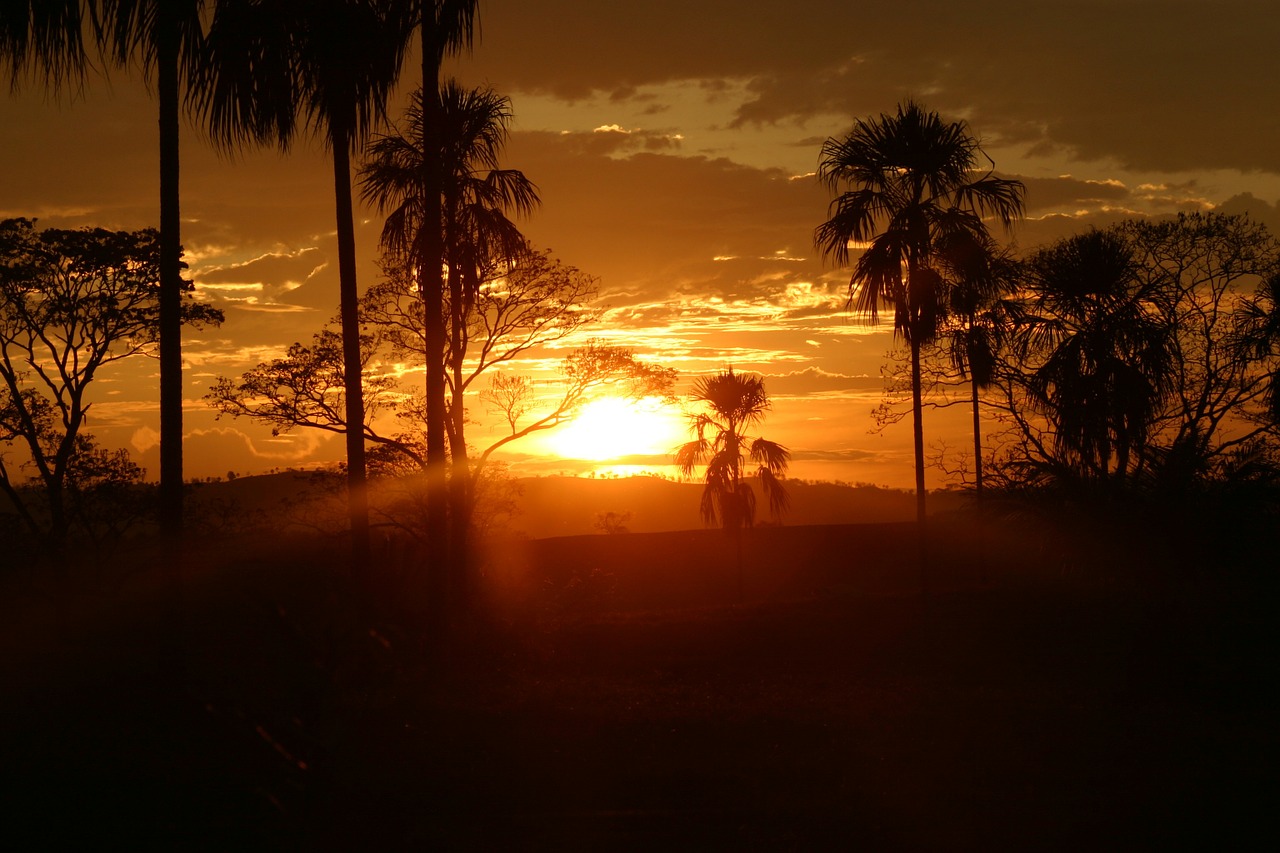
(611, 427)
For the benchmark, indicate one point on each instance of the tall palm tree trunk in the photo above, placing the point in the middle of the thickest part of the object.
(172, 656)
(171, 514)
(357, 491)
(166, 33)
(460, 474)
(977, 436)
(431, 272)
(917, 436)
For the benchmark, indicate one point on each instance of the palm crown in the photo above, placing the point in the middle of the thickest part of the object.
(912, 192)
(475, 194)
(736, 403)
(914, 206)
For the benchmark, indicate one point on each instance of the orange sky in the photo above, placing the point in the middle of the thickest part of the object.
(673, 147)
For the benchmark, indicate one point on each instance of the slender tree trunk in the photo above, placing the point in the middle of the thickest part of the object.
(170, 511)
(172, 651)
(357, 490)
(460, 475)
(58, 522)
(737, 535)
(430, 271)
(977, 435)
(917, 423)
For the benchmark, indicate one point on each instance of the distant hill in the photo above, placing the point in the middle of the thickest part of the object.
(572, 506)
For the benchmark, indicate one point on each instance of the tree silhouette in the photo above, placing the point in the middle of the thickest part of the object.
(736, 403)
(71, 302)
(444, 27)
(478, 236)
(911, 187)
(1217, 277)
(981, 310)
(332, 64)
(164, 38)
(1145, 357)
(1099, 350)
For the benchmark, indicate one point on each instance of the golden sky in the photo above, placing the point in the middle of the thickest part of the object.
(674, 146)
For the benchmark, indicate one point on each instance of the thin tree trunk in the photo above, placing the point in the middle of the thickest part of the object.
(460, 492)
(741, 571)
(431, 262)
(170, 512)
(357, 491)
(917, 423)
(172, 657)
(977, 436)
(59, 525)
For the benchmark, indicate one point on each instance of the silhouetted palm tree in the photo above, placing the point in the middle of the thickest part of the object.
(164, 38)
(982, 282)
(331, 63)
(912, 183)
(1100, 349)
(444, 27)
(476, 196)
(736, 403)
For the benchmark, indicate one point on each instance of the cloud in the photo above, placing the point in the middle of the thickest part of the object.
(1168, 87)
(1256, 209)
(1065, 193)
(212, 452)
(144, 439)
(655, 222)
(813, 380)
(834, 455)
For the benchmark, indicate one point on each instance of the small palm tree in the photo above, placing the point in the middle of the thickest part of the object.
(982, 311)
(736, 402)
(908, 184)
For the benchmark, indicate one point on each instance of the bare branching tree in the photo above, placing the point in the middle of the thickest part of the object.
(71, 303)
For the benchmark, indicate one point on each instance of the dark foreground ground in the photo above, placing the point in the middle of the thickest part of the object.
(1038, 713)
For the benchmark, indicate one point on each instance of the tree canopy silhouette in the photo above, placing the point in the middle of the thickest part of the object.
(476, 198)
(71, 303)
(1146, 356)
(910, 192)
(735, 403)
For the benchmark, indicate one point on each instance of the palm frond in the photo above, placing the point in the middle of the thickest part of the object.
(44, 36)
(776, 492)
(770, 455)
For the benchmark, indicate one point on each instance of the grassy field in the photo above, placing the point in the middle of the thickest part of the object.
(629, 692)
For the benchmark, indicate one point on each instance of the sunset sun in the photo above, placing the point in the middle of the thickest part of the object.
(613, 427)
